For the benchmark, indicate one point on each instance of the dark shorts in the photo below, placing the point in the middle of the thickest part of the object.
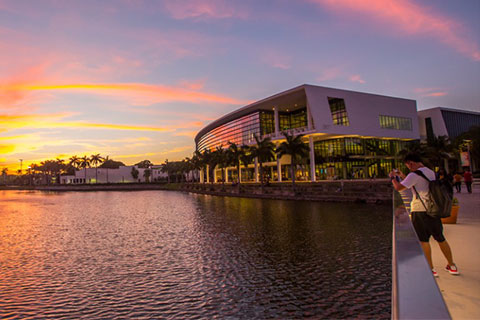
(426, 226)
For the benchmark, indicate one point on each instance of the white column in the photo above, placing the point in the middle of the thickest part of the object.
(201, 175)
(277, 123)
(239, 173)
(226, 175)
(208, 175)
(312, 159)
(279, 170)
(256, 170)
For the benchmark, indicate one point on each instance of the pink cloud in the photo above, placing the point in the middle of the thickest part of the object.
(410, 18)
(329, 74)
(203, 9)
(356, 78)
(276, 59)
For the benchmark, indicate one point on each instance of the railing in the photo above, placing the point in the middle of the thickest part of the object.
(415, 294)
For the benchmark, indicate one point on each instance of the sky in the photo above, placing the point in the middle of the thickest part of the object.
(137, 79)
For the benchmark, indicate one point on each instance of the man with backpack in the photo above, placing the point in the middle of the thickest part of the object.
(430, 202)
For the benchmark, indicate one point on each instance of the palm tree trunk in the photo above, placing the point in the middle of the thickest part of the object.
(96, 174)
(292, 171)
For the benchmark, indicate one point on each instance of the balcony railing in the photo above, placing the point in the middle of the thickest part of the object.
(415, 294)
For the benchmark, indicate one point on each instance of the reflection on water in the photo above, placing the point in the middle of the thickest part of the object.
(168, 254)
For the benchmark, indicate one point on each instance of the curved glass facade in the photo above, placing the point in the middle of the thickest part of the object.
(240, 131)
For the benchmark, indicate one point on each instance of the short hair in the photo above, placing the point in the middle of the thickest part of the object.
(415, 157)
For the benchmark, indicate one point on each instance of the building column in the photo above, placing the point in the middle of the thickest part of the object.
(279, 170)
(239, 171)
(313, 177)
(276, 120)
(215, 174)
(309, 118)
(256, 170)
(201, 176)
(226, 175)
(208, 173)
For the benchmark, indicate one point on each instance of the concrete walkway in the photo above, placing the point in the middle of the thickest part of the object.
(462, 293)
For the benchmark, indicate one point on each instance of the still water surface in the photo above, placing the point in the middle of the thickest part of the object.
(155, 254)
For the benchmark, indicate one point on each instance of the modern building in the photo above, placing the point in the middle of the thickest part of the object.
(446, 122)
(350, 134)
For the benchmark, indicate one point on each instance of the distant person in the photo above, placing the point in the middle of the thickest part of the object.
(424, 224)
(457, 179)
(467, 177)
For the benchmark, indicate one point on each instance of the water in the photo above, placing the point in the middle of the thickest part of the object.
(155, 254)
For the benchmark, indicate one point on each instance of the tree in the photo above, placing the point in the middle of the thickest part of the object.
(196, 161)
(74, 161)
(111, 164)
(84, 164)
(294, 147)
(166, 168)
(220, 158)
(144, 164)
(264, 152)
(146, 174)
(234, 155)
(439, 149)
(95, 159)
(134, 173)
(4, 174)
(246, 156)
(207, 160)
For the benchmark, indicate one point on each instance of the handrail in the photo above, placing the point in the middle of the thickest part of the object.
(415, 293)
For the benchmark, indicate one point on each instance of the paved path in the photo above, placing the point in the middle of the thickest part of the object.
(462, 293)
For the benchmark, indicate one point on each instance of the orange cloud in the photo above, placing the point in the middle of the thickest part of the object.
(142, 93)
(56, 121)
(430, 92)
(410, 18)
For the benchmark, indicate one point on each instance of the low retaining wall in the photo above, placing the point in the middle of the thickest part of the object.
(368, 191)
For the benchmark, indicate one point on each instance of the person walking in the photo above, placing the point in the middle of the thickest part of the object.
(425, 225)
(467, 177)
(457, 178)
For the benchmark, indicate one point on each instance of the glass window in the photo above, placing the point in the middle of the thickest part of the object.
(396, 123)
(339, 112)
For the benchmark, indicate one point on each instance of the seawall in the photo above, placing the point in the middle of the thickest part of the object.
(368, 191)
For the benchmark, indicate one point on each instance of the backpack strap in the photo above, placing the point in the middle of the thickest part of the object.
(421, 174)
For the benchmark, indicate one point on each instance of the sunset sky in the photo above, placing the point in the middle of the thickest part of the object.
(137, 79)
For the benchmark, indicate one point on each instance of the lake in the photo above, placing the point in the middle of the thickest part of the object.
(161, 254)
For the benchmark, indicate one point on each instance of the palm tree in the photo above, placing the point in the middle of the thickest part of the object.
(294, 147)
(196, 161)
(95, 159)
(246, 156)
(220, 158)
(264, 152)
(439, 149)
(4, 174)
(234, 154)
(84, 163)
(74, 161)
(207, 159)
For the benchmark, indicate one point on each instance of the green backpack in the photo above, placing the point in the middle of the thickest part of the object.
(440, 197)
